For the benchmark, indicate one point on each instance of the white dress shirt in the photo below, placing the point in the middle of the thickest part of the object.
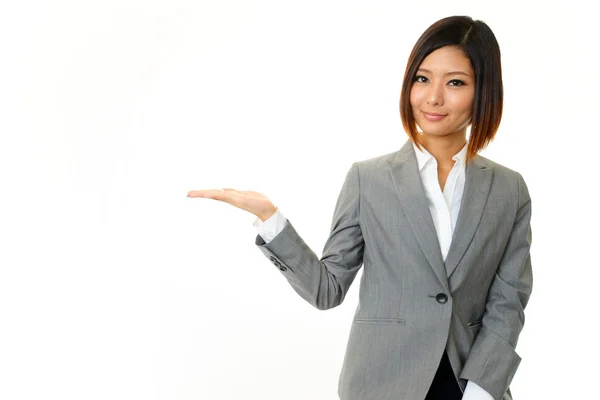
(443, 205)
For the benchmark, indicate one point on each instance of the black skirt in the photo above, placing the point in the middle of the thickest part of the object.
(444, 385)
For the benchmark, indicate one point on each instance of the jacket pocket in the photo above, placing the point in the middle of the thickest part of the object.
(475, 324)
(380, 321)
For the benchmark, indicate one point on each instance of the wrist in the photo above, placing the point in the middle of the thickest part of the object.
(266, 215)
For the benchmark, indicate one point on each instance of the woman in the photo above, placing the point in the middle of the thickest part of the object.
(443, 233)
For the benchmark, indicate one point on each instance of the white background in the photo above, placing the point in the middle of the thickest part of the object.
(115, 285)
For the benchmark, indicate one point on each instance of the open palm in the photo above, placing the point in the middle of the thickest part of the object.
(253, 202)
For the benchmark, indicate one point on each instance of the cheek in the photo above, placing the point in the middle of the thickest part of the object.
(463, 104)
(415, 97)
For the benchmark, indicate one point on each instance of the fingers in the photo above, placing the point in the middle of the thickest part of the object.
(244, 199)
(208, 193)
(251, 193)
(248, 200)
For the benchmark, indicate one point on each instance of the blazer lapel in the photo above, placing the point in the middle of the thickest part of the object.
(478, 180)
(407, 180)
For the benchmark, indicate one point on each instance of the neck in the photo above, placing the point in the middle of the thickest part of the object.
(443, 148)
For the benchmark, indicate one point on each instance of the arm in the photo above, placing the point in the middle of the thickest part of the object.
(269, 228)
(493, 361)
(323, 282)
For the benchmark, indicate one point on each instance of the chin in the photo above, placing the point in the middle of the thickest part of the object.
(435, 131)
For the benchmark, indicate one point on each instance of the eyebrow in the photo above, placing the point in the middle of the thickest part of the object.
(448, 73)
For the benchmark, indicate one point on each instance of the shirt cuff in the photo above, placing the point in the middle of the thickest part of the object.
(271, 227)
(475, 392)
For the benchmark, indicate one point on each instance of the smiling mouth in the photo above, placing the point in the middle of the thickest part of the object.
(433, 116)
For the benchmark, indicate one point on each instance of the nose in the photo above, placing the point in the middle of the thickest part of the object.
(436, 95)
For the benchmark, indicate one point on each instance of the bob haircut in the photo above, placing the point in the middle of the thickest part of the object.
(479, 44)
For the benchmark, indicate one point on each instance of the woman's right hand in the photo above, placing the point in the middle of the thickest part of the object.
(253, 202)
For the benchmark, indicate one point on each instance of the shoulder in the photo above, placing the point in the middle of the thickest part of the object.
(498, 168)
(377, 163)
(504, 176)
(383, 162)
(375, 173)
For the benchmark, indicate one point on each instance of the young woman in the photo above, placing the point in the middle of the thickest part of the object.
(443, 233)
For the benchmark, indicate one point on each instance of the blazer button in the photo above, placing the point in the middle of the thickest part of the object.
(282, 268)
(441, 298)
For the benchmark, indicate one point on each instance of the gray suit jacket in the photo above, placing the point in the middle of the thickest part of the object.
(412, 304)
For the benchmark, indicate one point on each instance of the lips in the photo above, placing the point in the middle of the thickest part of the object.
(433, 116)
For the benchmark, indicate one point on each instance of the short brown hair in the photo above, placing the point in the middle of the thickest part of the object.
(479, 44)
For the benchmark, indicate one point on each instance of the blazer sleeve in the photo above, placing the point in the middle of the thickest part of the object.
(323, 282)
(493, 361)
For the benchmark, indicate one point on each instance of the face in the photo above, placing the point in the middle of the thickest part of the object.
(442, 93)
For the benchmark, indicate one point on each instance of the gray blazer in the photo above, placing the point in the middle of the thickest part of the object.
(412, 304)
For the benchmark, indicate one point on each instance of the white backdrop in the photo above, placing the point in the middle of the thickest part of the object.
(115, 285)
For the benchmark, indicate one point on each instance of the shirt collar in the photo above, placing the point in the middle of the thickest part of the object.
(423, 156)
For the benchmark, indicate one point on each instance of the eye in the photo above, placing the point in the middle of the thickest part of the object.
(456, 82)
(420, 79)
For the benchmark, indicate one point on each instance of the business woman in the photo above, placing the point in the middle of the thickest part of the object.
(443, 233)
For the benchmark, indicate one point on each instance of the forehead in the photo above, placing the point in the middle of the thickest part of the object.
(447, 58)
